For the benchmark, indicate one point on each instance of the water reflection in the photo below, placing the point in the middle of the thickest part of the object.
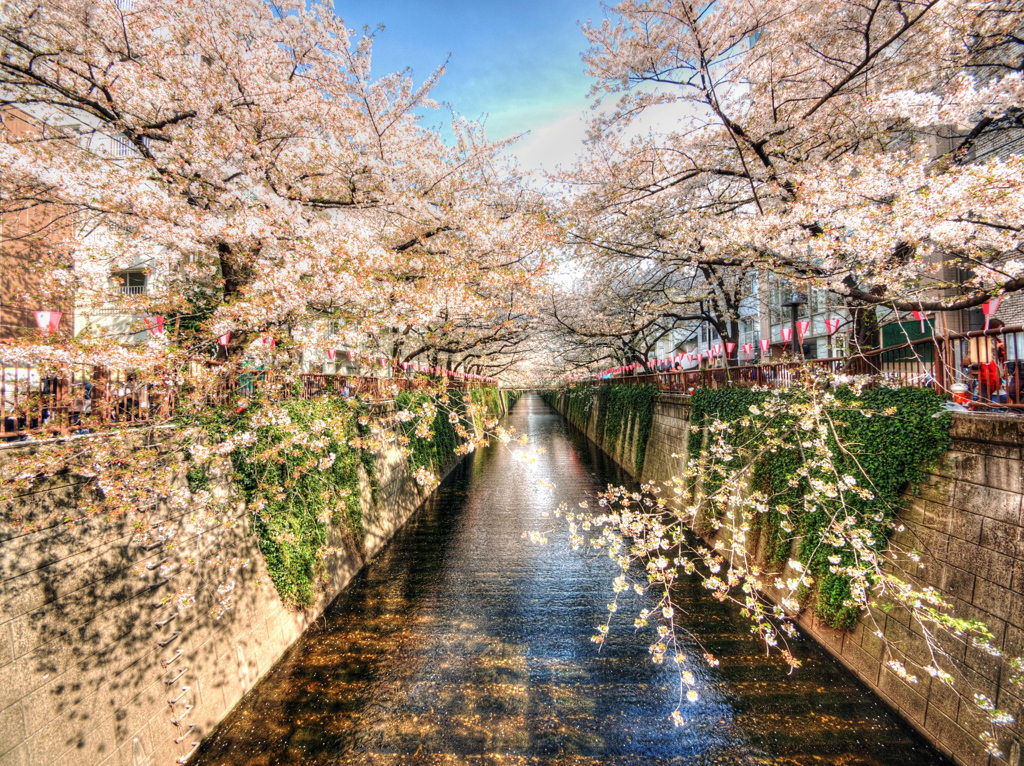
(465, 644)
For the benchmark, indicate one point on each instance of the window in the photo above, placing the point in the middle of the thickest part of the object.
(130, 282)
(749, 330)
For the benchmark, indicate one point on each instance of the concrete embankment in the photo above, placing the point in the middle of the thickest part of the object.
(966, 521)
(97, 664)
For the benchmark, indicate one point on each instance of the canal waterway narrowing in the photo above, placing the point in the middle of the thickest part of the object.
(464, 643)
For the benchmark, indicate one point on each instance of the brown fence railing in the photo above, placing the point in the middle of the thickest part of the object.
(84, 399)
(945, 363)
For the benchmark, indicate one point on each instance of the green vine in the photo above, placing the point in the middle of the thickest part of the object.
(616, 406)
(626, 403)
(885, 437)
(576, 402)
(437, 450)
(297, 467)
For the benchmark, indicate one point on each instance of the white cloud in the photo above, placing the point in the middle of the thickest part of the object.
(560, 141)
(553, 143)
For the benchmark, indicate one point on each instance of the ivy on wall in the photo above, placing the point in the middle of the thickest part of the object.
(627, 403)
(885, 437)
(296, 465)
(616, 406)
(437, 451)
(575, 402)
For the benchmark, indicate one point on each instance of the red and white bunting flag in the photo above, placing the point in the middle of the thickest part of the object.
(787, 334)
(765, 344)
(989, 310)
(831, 325)
(919, 316)
(331, 352)
(801, 329)
(729, 348)
(47, 321)
(224, 339)
(748, 349)
(155, 325)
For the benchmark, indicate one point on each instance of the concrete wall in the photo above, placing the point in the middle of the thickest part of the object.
(966, 519)
(91, 654)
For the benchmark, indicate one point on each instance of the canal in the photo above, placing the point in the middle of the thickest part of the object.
(463, 643)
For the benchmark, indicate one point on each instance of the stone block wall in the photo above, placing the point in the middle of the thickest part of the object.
(967, 523)
(96, 668)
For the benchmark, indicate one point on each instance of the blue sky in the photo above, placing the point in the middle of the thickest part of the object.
(516, 62)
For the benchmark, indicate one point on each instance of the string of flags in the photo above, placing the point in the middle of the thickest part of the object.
(786, 336)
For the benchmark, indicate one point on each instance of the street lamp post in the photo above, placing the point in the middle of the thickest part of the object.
(796, 300)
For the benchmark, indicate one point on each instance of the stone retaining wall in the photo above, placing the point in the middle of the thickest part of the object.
(967, 522)
(97, 669)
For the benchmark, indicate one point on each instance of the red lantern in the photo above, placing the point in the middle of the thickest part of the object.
(224, 339)
(729, 347)
(801, 328)
(331, 353)
(787, 334)
(831, 325)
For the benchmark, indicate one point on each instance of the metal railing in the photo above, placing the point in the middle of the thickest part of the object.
(989, 364)
(85, 399)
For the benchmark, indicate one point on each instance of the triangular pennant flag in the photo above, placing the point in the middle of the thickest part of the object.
(155, 325)
(990, 310)
(919, 316)
(47, 321)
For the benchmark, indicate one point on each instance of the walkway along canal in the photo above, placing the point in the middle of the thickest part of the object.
(463, 643)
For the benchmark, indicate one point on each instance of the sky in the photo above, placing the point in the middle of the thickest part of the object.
(515, 63)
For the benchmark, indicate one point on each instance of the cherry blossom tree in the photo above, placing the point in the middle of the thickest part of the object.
(833, 145)
(805, 145)
(245, 153)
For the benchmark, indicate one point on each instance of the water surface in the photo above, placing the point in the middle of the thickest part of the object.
(463, 643)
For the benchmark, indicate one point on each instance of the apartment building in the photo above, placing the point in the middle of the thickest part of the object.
(31, 243)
